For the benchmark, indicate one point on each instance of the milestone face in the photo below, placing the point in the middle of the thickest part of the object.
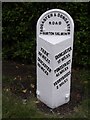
(54, 57)
(55, 23)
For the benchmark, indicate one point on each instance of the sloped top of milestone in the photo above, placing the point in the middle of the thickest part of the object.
(54, 39)
(55, 22)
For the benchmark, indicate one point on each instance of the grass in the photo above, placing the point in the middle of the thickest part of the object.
(81, 111)
(14, 106)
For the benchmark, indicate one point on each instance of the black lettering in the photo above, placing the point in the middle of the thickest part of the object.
(57, 87)
(55, 83)
(63, 53)
(67, 21)
(63, 17)
(65, 80)
(59, 22)
(68, 29)
(48, 33)
(65, 33)
(50, 23)
(48, 16)
(56, 23)
(44, 19)
(42, 69)
(68, 24)
(68, 33)
(61, 33)
(62, 71)
(44, 65)
(58, 15)
(44, 57)
(51, 15)
(57, 33)
(42, 22)
(61, 84)
(53, 23)
(39, 53)
(62, 78)
(44, 51)
(59, 61)
(55, 14)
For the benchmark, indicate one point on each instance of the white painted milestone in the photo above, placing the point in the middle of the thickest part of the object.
(55, 29)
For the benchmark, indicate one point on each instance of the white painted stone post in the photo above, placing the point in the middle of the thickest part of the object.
(55, 29)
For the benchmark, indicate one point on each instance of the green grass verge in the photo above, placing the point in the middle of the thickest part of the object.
(13, 106)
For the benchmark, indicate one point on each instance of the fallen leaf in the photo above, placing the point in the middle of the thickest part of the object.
(76, 109)
(58, 113)
(15, 78)
(51, 111)
(30, 92)
(37, 102)
(85, 82)
(32, 86)
(17, 67)
(20, 78)
(24, 91)
(7, 89)
(29, 76)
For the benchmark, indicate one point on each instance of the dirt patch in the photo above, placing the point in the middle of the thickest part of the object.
(22, 78)
(23, 84)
